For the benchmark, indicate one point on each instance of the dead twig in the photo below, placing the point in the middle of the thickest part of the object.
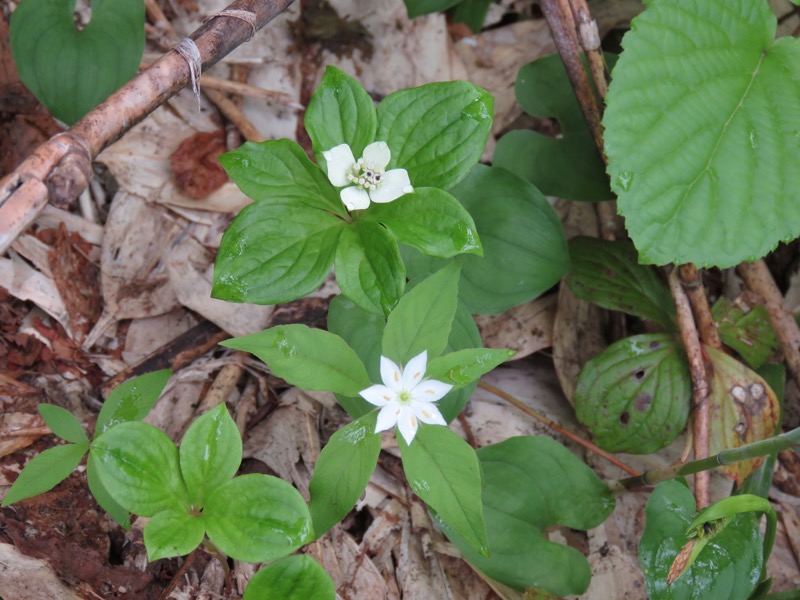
(700, 387)
(692, 284)
(556, 427)
(759, 280)
(61, 167)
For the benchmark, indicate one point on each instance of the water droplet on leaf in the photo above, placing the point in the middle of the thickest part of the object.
(624, 180)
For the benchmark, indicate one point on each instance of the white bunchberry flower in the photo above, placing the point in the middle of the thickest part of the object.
(367, 177)
(405, 398)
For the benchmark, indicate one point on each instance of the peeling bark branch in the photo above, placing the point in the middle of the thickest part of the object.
(759, 280)
(692, 284)
(62, 165)
(700, 386)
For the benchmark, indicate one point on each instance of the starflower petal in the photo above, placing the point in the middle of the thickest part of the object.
(427, 413)
(430, 391)
(395, 183)
(387, 417)
(354, 198)
(414, 371)
(340, 161)
(407, 423)
(377, 155)
(379, 395)
(391, 375)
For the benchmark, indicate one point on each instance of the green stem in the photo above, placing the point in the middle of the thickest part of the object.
(790, 439)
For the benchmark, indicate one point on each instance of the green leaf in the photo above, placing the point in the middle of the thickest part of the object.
(472, 12)
(210, 453)
(172, 533)
(634, 396)
(531, 484)
(311, 359)
(701, 132)
(423, 318)
(292, 578)
(343, 471)
(524, 246)
(443, 471)
(369, 268)
(275, 251)
(281, 169)
(436, 132)
(749, 333)
(138, 465)
(465, 366)
(103, 498)
(417, 8)
(430, 220)
(257, 518)
(131, 400)
(568, 166)
(73, 71)
(45, 471)
(340, 112)
(608, 274)
(729, 565)
(63, 423)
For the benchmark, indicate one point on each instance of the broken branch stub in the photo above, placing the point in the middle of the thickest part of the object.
(62, 163)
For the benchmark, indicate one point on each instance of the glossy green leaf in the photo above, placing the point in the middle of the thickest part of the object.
(524, 246)
(172, 533)
(729, 565)
(608, 274)
(369, 268)
(257, 518)
(749, 333)
(635, 395)
(131, 400)
(72, 71)
(63, 423)
(45, 471)
(138, 465)
(742, 409)
(465, 366)
(472, 12)
(436, 132)
(531, 484)
(275, 251)
(340, 112)
(423, 318)
(463, 335)
(443, 470)
(311, 359)
(281, 169)
(430, 220)
(292, 578)
(701, 132)
(210, 453)
(103, 498)
(568, 166)
(342, 472)
(417, 8)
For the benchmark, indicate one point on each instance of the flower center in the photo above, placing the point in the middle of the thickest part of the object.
(365, 176)
(404, 397)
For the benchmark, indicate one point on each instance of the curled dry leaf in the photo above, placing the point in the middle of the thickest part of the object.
(195, 164)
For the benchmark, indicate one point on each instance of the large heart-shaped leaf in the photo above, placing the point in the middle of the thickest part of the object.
(701, 132)
(73, 71)
(634, 396)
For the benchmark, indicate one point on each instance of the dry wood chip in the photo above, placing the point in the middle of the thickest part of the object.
(26, 283)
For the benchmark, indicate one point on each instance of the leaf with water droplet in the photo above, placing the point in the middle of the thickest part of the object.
(742, 409)
(530, 485)
(131, 400)
(465, 366)
(635, 395)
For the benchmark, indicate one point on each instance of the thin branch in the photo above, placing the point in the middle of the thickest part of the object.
(692, 284)
(556, 427)
(589, 39)
(759, 280)
(700, 386)
(61, 167)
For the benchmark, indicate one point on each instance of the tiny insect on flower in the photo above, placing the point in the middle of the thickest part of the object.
(405, 398)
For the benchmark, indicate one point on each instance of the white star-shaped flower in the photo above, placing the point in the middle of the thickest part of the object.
(405, 398)
(366, 177)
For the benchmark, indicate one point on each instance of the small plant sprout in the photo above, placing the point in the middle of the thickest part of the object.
(405, 398)
(366, 177)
